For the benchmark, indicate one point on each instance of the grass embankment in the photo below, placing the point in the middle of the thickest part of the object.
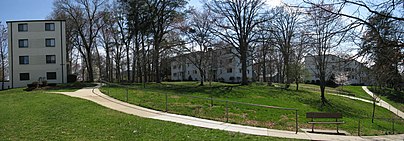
(391, 96)
(357, 91)
(37, 115)
(153, 96)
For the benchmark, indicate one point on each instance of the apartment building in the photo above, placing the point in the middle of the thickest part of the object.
(219, 64)
(37, 51)
(353, 71)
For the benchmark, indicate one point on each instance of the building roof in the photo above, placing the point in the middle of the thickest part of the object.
(35, 21)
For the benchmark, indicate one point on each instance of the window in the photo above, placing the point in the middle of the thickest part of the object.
(50, 59)
(174, 67)
(229, 70)
(22, 27)
(24, 76)
(24, 59)
(49, 27)
(195, 72)
(51, 75)
(50, 42)
(23, 43)
(175, 74)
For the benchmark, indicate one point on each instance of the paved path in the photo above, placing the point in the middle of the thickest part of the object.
(93, 94)
(384, 104)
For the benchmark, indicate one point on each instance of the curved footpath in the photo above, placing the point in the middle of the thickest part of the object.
(94, 94)
(384, 104)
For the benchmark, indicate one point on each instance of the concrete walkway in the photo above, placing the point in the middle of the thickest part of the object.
(93, 94)
(383, 103)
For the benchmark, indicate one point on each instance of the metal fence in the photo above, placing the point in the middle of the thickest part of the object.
(390, 129)
(210, 99)
(393, 121)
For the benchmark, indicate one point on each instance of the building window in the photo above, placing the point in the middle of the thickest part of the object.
(174, 67)
(229, 70)
(24, 59)
(22, 27)
(49, 27)
(50, 59)
(50, 42)
(24, 76)
(51, 75)
(195, 72)
(23, 43)
(175, 74)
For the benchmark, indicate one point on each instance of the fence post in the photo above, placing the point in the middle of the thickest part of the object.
(359, 127)
(393, 124)
(127, 91)
(297, 125)
(211, 101)
(227, 111)
(166, 102)
(109, 88)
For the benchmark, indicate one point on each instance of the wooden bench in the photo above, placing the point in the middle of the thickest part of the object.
(314, 115)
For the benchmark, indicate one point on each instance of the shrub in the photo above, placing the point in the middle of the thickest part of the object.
(71, 78)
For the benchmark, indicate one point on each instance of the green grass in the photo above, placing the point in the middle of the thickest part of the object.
(153, 96)
(391, 96)
(357, 91)
(37, 115)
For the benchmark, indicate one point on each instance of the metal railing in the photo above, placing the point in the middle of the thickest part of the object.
(211, 99)
(393, 122)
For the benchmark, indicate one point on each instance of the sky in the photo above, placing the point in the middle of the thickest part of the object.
(40, 9)
(24, 9)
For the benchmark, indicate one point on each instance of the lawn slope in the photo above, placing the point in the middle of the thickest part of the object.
(179, 101)
(38, 115)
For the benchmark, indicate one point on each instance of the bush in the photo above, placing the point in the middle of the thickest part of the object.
(71, 78)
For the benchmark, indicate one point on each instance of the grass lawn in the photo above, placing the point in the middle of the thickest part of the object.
(357, 91)
(37, 115)
(153, 96)
(395, 98)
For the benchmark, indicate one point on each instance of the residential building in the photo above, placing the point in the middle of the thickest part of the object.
(37, 51)
(349, 70)
(219, 64)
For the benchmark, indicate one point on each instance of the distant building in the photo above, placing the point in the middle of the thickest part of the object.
(354, 71)
(37, 51)
(223, 64)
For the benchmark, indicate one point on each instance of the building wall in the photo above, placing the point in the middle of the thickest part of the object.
(354, 71)
(37, 52)
(223, 59)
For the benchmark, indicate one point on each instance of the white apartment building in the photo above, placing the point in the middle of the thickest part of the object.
(354, 71)
(223, 64)
(37, 50)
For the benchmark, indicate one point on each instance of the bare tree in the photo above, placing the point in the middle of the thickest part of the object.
(326, 33)
(236, 22)
(164, 13)
(3, 52)
(85, 14)
(197, 30)
(284, 29)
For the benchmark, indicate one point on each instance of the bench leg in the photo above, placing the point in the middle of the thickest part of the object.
(312, 127)
(337, 129)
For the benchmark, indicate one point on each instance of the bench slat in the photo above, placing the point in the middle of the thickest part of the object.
(323, 115)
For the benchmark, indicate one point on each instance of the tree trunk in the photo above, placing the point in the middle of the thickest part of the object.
(156, 57)
(322, 89)
(89, 65)
(243, 59)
